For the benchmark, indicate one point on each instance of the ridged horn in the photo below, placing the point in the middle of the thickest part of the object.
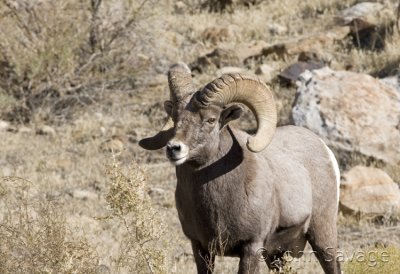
(249, 90)
(180, 82)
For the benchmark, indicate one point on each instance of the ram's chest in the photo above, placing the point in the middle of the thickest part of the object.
(216, 211)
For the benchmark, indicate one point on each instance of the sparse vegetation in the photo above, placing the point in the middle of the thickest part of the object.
(57, 56)
(131, 206)
(382, 260)
(286, 266)
(34, 235)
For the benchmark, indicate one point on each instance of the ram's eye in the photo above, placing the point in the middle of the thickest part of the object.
(211, 120)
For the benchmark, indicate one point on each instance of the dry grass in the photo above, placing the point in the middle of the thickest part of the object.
(382, 260)
(131, 206)
(34, 235)
(55, 56)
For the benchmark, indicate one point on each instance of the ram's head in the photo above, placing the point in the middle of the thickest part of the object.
(196, 118)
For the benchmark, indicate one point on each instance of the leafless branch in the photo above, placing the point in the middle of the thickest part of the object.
(128, 24)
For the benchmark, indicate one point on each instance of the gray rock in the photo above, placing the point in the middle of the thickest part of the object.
(393, 81)
(46, 130)
(4, 125)
(351, 112)
(368, 22)
(370, 191)
(360, 10)
(292, 72)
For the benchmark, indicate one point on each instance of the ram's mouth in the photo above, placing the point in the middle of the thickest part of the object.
(177, 152)
(177, 161)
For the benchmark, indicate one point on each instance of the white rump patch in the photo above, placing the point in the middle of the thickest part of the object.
(335, 167)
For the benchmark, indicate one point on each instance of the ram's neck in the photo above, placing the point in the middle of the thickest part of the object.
(228, 160)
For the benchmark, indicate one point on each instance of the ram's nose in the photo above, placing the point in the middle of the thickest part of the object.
(177, 152)
(174, 147)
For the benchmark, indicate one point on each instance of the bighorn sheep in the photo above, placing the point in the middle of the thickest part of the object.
(257, 195)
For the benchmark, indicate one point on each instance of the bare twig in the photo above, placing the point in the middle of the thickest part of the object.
(356, 32)
(398, 17)
(119, 31)
(89, 62)
(94, 24)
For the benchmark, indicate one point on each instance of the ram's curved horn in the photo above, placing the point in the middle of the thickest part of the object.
(250, 91)
(180, 82)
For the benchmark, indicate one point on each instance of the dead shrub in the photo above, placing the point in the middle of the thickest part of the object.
(34, 237)
(130, 204)
(52, 51)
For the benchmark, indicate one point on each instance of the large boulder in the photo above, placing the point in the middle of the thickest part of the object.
(393, 81)
(368, 11)
(292, 72)
(369, 23)
(306, 61)
(351, 112)
(369, 191)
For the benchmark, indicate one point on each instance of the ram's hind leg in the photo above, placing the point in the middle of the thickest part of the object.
(323, 240)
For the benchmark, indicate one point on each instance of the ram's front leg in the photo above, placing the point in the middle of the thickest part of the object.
(250, 259)
(203, 258)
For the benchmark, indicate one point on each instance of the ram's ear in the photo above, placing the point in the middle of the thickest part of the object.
(232, 112)
(157, 141)
(168, 106)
